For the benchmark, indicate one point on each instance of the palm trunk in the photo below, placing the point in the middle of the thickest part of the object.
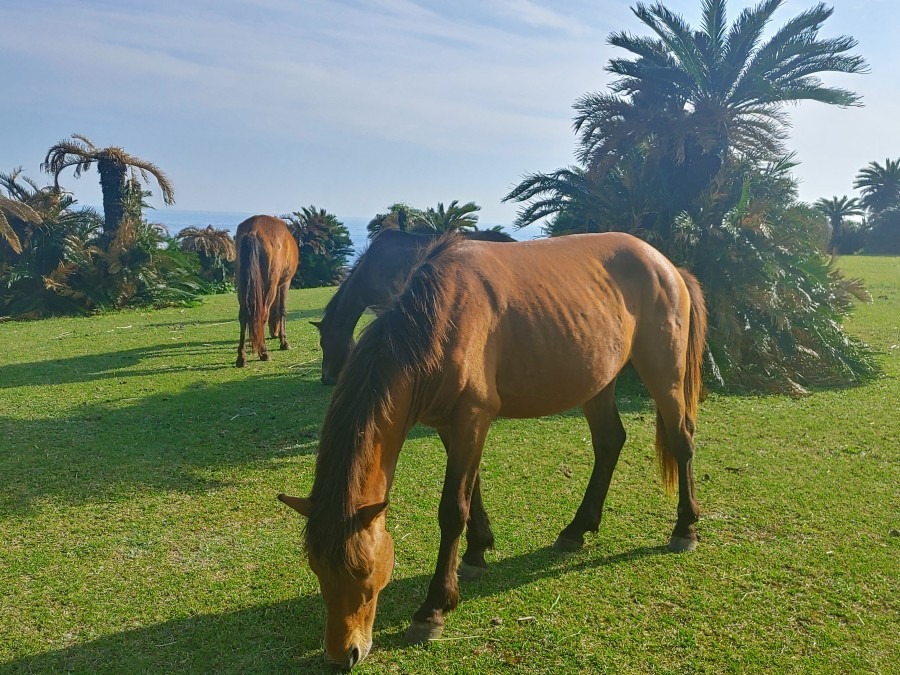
(112, 183)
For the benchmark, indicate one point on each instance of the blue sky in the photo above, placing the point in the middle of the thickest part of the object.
(268, 105)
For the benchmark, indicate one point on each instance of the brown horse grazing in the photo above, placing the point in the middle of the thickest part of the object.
(375, 281)
(267, 256)
(480, 331)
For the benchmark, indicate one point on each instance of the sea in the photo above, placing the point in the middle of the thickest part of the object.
(176, 220)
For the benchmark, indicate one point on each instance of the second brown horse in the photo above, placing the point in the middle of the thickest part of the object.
(267, 257)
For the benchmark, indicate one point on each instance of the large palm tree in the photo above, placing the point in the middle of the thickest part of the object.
(837, 210)
(691, 95)
(113, 164)
(879, 186)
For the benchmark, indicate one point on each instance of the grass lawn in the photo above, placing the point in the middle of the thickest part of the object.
(139, 530)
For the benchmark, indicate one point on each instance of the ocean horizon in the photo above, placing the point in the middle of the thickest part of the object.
(175, 220)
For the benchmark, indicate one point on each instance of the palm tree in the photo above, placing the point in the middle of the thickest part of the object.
(879, 185)
(325, 246)
(399, 216)
(113, 164)
(454, 217)
(690, 96)
(214, 248)
(12, 208)
(836, 210)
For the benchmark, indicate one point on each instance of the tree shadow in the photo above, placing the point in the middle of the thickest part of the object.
(286, 636)
(162, 441)
(92, 367)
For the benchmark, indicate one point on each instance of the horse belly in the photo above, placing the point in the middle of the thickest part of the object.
(551, 371)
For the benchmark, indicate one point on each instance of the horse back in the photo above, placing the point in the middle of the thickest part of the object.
(542, 326)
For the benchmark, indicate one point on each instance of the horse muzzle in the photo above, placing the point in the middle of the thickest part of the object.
(356, 653)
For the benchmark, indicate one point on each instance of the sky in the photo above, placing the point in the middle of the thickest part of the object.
(264, 106)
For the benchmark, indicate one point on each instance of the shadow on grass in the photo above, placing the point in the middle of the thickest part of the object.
(93, 367)
(287, 636)
(108, 447)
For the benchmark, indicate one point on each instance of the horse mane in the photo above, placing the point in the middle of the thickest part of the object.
(404, 343)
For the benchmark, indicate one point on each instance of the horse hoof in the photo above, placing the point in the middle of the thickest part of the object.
(240, 363)
(564, 545)
(682, 544)
(284, 347)
(264, 356)
(420, 632)
(468, 572)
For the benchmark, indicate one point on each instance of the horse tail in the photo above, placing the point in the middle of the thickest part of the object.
(250, 286)
(693, 379)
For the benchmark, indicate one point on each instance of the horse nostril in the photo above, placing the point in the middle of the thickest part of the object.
(353, 656)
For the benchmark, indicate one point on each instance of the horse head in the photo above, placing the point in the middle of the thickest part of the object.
(350, 589)
(336, 347)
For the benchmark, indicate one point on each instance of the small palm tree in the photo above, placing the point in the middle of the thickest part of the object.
(836, 210)
(214, 248)
(454, 217)
(879, 185)
(113, 164)
(399, 216)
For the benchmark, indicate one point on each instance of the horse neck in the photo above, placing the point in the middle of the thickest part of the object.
(390, 435)
(344, 310)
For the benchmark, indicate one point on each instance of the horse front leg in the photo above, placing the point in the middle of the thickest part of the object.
(463, 458)
(479, 536)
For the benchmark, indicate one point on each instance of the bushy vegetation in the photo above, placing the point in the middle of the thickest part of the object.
(325, 247)
(57, 258)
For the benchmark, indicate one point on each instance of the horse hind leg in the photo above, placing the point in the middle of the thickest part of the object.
(675, 434)
(242, 346)
(675, 448)
(281, 316)
(607, 438)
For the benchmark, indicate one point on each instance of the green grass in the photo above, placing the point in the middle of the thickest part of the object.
(139, 530)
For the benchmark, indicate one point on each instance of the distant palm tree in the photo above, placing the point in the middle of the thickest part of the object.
(208, 240)
(325, 246)
(454, 217)
(836, 210)
(399, 216)
(213, 247)
(112, 165)
(879, 185)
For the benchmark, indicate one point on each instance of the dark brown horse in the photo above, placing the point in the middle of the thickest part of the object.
(267, 256)
(480, 331)
(375, 281)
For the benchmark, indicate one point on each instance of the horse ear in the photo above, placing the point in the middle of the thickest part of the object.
(301, 505)
(367, 514)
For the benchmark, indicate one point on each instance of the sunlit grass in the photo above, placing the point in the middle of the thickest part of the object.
(139, 530)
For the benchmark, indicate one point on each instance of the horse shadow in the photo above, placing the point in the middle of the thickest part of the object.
(286, 636)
